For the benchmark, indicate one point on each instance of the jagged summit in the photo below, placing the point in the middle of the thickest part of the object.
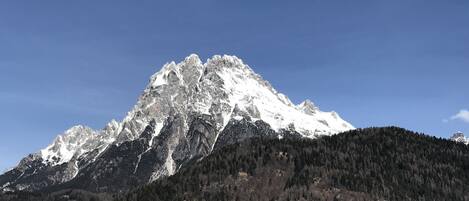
(215, 87)
(67, 144)
(181, 113)
(308, 107)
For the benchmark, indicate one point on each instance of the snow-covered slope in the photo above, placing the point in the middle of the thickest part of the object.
(78, 140)
(181, 103)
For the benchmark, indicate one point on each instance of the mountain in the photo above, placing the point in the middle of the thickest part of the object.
(187, 110)
(386, 163)
(459, 137)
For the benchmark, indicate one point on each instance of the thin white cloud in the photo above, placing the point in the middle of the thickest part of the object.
(462, 115)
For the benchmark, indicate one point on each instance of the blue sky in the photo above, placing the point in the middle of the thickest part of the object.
(377, 63)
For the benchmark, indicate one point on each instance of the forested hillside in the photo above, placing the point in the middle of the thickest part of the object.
(364, 164)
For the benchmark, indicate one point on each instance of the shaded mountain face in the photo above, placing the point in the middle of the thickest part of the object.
(364, 164)
(187, 110)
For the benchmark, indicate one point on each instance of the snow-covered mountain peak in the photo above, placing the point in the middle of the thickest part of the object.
(193, 60)
(214, 88)
(78, 140)
(186, 109)
(225, 61)
(184, 73)
(308, 107)
(112, 125)
(459, 137)
(66, 145)
(76, 130)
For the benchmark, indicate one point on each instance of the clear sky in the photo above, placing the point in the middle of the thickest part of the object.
(375, 62)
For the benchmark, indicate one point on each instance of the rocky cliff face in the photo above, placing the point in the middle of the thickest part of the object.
(187, 110)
